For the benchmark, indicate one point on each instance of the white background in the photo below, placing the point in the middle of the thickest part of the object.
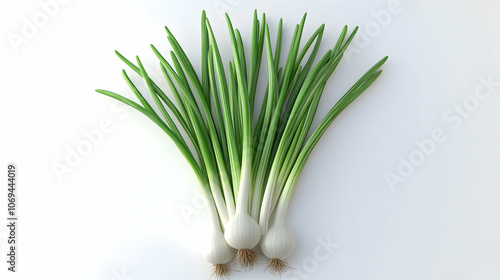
(129, 209)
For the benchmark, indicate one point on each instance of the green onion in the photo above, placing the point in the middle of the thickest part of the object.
(247, 171)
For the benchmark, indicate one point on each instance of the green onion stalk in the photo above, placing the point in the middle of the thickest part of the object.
(246, 170)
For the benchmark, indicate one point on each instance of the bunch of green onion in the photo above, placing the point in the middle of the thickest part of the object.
(247, 167)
